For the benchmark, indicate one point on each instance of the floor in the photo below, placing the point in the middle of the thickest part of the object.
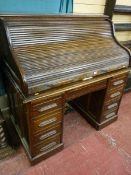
(87, 151)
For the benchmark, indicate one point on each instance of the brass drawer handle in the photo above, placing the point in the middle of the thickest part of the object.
(3, 139)
(110, 115)
(44, 136)
(112, 105)
(48, 146)
(118, 82)
(2, 134)
(115, 94)
(1, 129)
(47, 107)
(44, 123)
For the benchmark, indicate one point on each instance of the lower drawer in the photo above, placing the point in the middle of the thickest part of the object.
(47, 145)
(40, 137)
(110, 113)
(111, 105)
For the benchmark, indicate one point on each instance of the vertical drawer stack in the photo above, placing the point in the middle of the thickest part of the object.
(113, 97)
(46, 126)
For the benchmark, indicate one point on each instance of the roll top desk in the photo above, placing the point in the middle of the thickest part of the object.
(50, 60)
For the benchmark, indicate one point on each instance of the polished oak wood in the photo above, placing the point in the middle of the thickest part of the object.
(49, 61)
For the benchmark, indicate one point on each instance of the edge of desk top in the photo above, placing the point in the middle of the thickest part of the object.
(60, 90)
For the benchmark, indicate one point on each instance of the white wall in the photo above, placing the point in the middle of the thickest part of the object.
(89, 6)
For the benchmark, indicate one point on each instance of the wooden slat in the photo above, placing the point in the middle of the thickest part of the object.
(123, 27)
(84, 8)
(89, 2)
(123, 35)
(122, 9)
(123, 2)
(122, 18)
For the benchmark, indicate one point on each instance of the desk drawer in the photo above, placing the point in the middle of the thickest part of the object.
(47, 145)
(46, 121)
(111, 105)
(114, 94)
(75, 93)
(42, 136)
(45, 106)
(110, 114)
(117, 82)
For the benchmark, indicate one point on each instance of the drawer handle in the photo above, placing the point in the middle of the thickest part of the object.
(47, 107)
(1, 129)
(112, 105)
(44, 136)
(118, 82)
(2, 134)
(44, 123)
(3, 139)
(110, 115)
(115, 94)
(48, 146)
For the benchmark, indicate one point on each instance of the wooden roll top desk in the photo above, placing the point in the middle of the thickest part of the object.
(50, 60)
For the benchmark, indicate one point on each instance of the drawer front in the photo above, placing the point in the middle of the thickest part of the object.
(47, 145)
(111, 105)
(110, 114)
(43, 107)
(118, 82)
(45, 122)
(115, 94)
(75, 93)
(47, 134)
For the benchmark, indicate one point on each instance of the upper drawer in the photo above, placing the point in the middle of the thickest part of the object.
(118, 81)
(45, 106)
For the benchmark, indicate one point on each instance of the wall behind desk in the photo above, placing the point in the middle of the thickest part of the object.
(33, 6)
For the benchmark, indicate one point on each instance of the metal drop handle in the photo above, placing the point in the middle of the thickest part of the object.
(110, 115)
(50, 145)
(46, 122)
(44, 136)
(118, 82)
(115, 94)
(47, 107)
(112, 105)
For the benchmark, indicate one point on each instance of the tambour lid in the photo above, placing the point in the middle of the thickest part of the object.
(56, 50)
